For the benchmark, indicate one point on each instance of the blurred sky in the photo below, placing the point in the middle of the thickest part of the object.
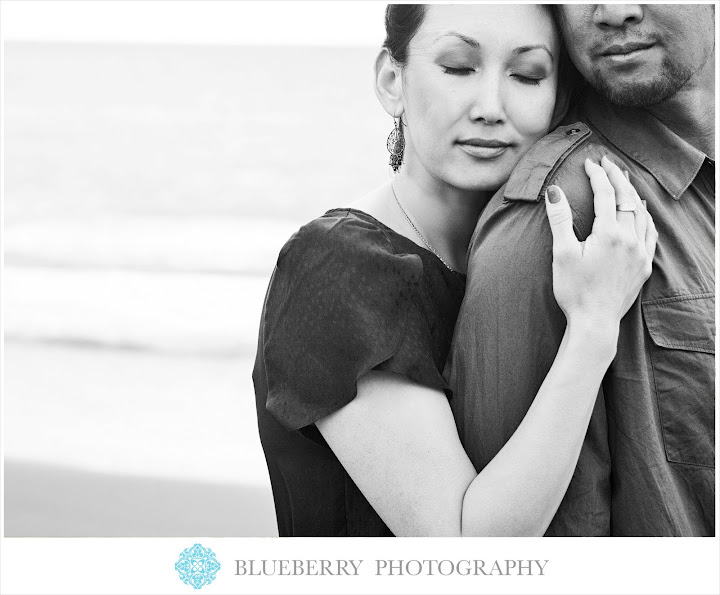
(192, 21)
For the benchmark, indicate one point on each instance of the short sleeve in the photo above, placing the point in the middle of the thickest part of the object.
(341, 302)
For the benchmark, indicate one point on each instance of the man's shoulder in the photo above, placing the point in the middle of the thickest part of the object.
(558, 158)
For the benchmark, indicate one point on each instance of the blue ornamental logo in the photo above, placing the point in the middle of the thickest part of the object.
(197, 566)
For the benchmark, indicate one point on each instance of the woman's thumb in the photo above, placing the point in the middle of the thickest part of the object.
(560, 217)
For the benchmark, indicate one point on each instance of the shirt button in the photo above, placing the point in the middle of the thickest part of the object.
(572, 131)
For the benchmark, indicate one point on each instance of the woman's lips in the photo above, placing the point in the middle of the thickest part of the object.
(484, 148)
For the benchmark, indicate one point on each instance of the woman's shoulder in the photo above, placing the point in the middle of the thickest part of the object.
(342, 301)
(346, 227)
(344, 234)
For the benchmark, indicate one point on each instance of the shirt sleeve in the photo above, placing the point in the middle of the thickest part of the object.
(506, 338)
(341, 303)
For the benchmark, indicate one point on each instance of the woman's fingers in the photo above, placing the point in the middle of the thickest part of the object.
(560, 218)
(627, 203)
(630, 214)
(603, 191)
(602, 275)
(611, 188)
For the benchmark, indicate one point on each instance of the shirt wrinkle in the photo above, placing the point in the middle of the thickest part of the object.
(672, 161)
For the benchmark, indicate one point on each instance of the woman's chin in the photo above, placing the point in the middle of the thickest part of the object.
(481, 183)
(481, 177)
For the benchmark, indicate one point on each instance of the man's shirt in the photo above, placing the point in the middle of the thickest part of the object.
(647, 463)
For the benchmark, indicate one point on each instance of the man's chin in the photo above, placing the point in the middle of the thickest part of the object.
(634, 93)
(636, 90)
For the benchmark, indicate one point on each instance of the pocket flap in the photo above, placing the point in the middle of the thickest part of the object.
(682, 322)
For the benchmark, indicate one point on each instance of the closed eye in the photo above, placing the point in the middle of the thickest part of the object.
(527, 80)
(461, 71)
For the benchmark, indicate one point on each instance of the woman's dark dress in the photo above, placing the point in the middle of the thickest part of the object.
(348, 295)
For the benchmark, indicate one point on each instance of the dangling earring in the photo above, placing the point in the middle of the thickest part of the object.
(396, 145)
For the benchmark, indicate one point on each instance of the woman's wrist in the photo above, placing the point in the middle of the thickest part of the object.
(597, 335)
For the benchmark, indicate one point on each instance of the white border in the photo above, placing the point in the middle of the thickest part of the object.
(591, 565)
(143, 565)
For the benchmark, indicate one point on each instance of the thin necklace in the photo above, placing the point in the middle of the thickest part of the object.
(417, 231)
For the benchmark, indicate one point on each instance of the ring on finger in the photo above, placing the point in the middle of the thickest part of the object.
(626, 207)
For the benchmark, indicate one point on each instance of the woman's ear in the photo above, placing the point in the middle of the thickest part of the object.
(388, 84)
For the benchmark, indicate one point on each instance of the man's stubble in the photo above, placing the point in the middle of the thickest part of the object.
(634, 93)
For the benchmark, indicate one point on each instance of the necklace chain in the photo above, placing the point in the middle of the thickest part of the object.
(417, 231)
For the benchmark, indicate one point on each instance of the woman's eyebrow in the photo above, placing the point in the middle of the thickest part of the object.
(476, 44)
(469, 40)
(528, 48)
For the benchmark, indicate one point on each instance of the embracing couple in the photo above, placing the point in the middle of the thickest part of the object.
(515, 335)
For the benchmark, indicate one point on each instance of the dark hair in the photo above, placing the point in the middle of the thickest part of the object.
(401, 23)
(568, 76)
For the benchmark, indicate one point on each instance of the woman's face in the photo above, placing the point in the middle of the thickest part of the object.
(478, 89)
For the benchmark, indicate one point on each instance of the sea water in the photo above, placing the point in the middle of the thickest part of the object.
(148, 189)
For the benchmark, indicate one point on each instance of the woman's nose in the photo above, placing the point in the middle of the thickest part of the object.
(487, 102)
(617, 15)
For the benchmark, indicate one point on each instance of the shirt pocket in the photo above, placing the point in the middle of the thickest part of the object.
(682, 353)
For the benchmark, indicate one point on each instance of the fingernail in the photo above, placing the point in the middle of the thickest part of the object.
(627, 174)
(553, 194)
(644, 203)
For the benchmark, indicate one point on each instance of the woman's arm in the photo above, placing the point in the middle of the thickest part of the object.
(399, 443)
(398, 440)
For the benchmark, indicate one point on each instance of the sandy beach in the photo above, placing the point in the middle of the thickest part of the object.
(109, 442)
(57, 501)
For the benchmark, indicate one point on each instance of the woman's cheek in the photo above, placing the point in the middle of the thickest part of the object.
(423, 112)
(533, 112)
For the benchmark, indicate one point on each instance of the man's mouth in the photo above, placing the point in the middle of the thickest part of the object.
(624, 52)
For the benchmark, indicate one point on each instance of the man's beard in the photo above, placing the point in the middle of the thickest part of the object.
(644, 93)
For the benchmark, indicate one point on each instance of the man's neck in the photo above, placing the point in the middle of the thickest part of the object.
(690, 113)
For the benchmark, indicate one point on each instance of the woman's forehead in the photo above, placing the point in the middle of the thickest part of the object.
(489, 24)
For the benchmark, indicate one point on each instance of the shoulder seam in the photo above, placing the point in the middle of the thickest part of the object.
(530, 176)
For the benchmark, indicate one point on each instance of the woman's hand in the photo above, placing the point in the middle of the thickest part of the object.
(596, 281)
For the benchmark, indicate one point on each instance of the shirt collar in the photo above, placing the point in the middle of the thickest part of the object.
(672, 161)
